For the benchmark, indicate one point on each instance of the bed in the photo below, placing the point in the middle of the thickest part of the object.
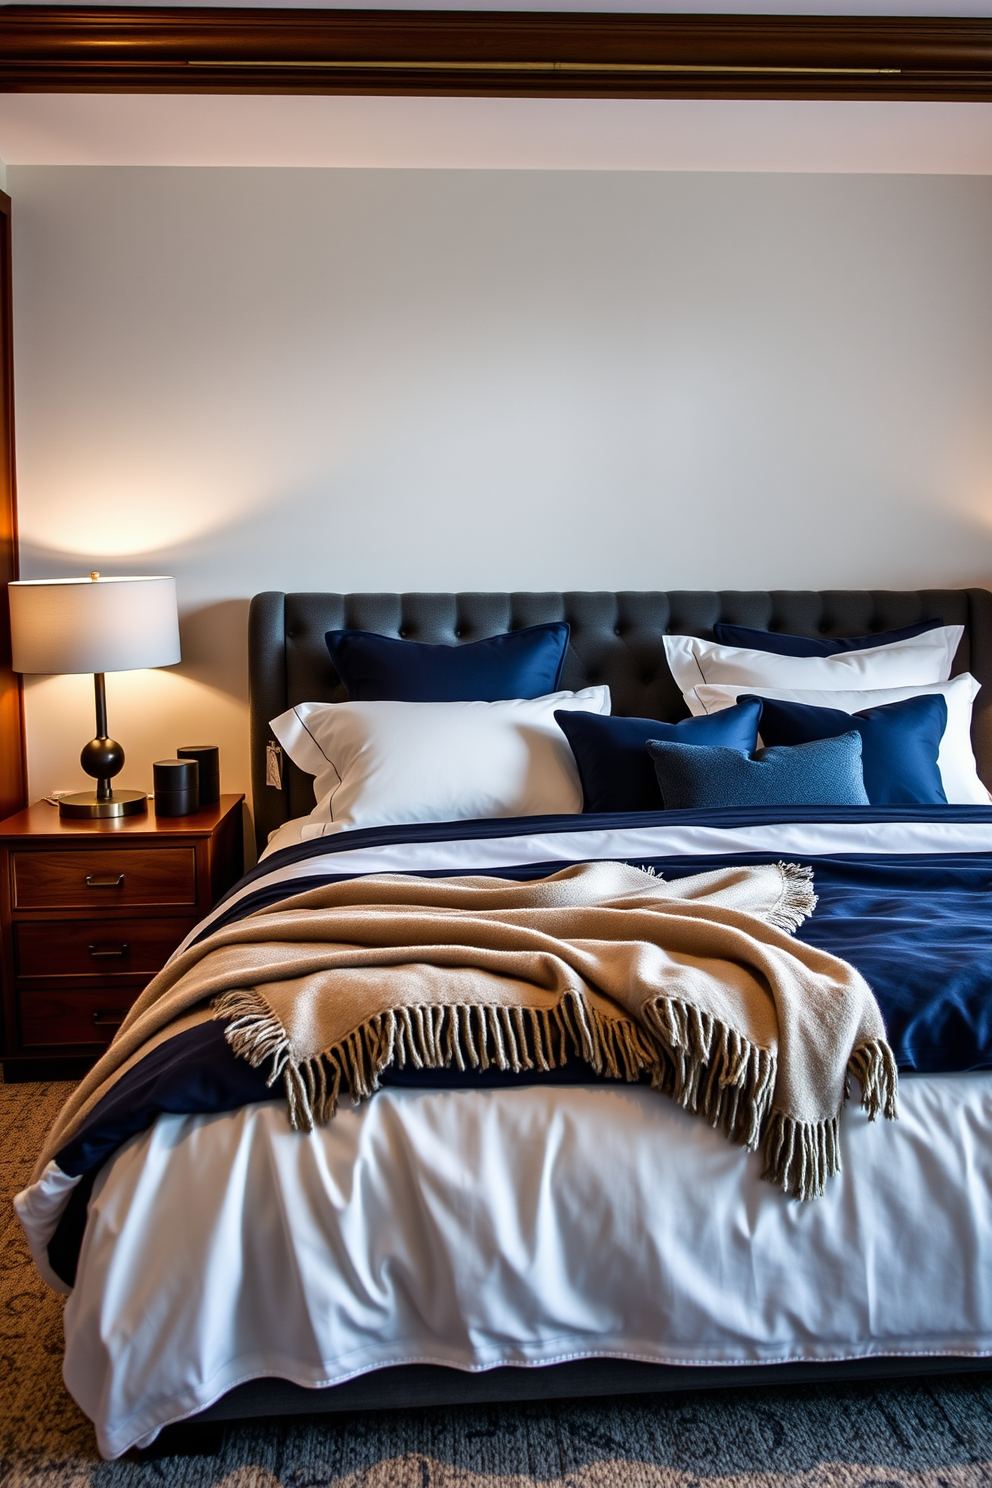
(615, 1242)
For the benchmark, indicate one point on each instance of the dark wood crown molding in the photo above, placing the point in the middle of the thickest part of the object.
(513, 53)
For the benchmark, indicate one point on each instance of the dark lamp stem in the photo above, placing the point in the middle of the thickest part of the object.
(102, 757)
(100, 689)
(104, 789)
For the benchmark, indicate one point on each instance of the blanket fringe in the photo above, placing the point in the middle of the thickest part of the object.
(873, 1065)
(801, 1155)
(429, 1037)
(713, 1071)
(705, 1066)
(797, 900)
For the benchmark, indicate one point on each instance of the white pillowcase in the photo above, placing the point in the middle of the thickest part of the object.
(915, 662)
(385, 763)
(955, 758)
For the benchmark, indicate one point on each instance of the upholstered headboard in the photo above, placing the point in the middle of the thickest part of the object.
(615, 638)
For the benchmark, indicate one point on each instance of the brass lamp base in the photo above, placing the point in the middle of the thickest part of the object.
(88, 804)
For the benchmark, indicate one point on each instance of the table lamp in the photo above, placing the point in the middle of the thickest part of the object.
(95, 625)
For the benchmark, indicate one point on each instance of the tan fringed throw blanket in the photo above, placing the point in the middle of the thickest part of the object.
(695, 983)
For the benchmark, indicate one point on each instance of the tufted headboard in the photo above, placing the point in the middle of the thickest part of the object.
(615, 638)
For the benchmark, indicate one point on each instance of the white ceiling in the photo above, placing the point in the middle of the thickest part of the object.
(495, 133)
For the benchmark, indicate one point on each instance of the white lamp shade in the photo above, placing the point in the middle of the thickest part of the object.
(93, 625)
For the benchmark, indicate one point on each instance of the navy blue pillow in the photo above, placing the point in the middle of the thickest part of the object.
(790, 645)
(614, 767)
(824, 773)
(521, 664)
(899, 743)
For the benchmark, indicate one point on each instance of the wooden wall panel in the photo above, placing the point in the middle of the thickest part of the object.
(12, 766)
(492, 53)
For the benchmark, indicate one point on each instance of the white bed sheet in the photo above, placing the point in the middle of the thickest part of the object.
(289, 834)
(519, 1226)
(668, 839)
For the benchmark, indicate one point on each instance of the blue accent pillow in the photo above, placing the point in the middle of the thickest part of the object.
(521, 664)
(824, 773)
(791, 645)
(616, 771)
(899, 743)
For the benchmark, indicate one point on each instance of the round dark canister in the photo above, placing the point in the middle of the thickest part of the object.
(207, 757)
(177, 787)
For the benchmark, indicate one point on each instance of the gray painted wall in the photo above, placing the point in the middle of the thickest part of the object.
(380, 379)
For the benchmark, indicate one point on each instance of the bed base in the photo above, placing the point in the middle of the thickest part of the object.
(415, 1386)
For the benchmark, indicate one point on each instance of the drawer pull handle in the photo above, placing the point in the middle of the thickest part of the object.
(98, 951)
(104, 883)
(107, 1020)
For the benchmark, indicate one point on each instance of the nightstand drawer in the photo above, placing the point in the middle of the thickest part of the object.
(96, 948)
(84, 1017)
(100, 880)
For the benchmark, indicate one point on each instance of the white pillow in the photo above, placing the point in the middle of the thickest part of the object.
(383, 763)
(917, 661)
(955, 758)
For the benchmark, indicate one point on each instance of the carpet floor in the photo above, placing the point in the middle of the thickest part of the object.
(936, 1434)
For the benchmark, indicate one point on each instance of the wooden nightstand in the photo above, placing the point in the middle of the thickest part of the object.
(89, 911)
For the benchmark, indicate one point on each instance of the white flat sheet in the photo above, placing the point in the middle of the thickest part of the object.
(663, 840)
(521, 1226)
(288, 835)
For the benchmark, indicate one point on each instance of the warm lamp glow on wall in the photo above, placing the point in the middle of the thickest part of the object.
(95, 625)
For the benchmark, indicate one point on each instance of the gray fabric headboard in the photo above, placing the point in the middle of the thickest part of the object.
(615, 638)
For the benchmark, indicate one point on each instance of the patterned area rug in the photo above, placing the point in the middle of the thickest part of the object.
(909, 1435)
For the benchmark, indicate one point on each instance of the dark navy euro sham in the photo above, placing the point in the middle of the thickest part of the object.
(521, 664)
(614, 767)
(899, 743)
(780, 644)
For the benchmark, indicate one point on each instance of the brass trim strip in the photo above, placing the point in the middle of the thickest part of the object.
(607, 67)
